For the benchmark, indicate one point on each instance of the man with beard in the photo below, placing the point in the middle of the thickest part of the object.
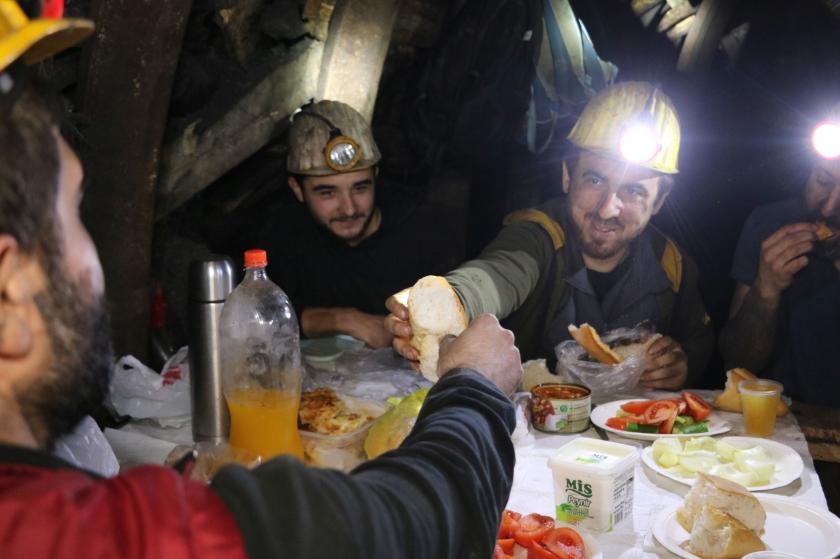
(350, 242)
(592, 256)
(784, 321)
(439, 495)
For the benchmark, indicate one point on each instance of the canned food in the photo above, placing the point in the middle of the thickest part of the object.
(560, 408)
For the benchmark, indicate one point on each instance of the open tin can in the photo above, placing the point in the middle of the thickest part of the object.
(560, 407)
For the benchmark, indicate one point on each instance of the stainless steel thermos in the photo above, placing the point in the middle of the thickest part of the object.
(210, 282)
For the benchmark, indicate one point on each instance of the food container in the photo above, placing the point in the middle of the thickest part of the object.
(593, 483)
(560, 408)
(342, 451)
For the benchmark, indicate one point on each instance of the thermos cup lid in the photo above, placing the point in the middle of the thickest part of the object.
(211, 280)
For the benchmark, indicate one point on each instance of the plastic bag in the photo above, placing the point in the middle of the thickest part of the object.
(87, 448)
(139, 392)
(607, 382)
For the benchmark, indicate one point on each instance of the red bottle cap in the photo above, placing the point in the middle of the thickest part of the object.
(256, 258)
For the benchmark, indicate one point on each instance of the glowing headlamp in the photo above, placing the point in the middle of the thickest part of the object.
(826, 140)
(639, 143)
(341, 152)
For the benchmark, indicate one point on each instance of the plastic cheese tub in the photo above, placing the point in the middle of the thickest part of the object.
(593, 483)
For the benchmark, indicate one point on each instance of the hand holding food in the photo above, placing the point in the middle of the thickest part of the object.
(782, 255)
(587, 337)
(485, 347)
(668, 367)
(397, 324)
(434, 311)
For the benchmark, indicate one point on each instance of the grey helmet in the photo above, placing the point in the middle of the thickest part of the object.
(330, 137)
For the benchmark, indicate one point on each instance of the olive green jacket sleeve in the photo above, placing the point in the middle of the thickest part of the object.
(506, 271)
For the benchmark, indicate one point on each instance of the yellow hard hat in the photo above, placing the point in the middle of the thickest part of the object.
(633, 121)
(330, 137)
(36, 39)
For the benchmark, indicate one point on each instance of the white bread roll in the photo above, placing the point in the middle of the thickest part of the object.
(725, 495)
(434, 311)
(730, 398)
(718, 535)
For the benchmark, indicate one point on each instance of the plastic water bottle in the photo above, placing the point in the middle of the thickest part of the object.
(261, 364)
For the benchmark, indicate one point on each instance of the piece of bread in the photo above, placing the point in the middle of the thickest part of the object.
(589, 340)
(823, 231)
(730, 399)
(719, 535)
(635, 349)
(725, 495)
(434, 311)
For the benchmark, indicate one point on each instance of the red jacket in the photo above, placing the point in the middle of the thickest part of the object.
(49, 510)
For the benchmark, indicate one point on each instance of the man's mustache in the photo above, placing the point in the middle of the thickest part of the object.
(353, 217)
(612, 222)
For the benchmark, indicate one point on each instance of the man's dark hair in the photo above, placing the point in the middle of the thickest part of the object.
(29, 168)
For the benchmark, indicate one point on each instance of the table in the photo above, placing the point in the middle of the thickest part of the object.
(533, 489)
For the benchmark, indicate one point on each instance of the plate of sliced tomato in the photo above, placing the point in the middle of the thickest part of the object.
(686, 415)
(536, 536)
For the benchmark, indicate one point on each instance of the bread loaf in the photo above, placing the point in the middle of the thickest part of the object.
(730, 399)
(434, 311)
(725, 520)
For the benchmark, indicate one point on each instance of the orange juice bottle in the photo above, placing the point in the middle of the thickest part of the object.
(265, 422)
(261, 364)
(759, 399)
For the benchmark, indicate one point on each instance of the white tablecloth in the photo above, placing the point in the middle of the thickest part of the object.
(533, 488)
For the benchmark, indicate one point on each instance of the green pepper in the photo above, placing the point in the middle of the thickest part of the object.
(642, 428)
(684, 420)
(693, 428)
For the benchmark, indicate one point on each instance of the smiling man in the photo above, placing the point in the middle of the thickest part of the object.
(592, 256)
(350, 242)
(784, 320)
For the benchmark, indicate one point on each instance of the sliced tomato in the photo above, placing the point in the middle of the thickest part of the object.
(659, 412)
(637, 407)
(506, 545)
(509, 524)
(532, 527)
(565, 543)
(667, 426)
(539, 551)
(618, 422)
(681, 405)
(698, 408)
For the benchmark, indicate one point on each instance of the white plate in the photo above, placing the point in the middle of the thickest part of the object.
(603, 412)
(788, 462)
(791, 527)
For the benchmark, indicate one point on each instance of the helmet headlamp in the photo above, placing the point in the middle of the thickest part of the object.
(341, 152)
(639, 143)
(826, 139)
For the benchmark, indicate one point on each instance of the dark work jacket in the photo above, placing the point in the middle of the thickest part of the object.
(532, 276)
(317, 269)
(439, 495)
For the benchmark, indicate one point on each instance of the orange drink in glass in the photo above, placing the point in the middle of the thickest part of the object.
(265, 421)
(759, 399)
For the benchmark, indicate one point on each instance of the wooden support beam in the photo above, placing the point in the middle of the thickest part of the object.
(205, 149)
(127, 72)
(360, 32)
(705, 34)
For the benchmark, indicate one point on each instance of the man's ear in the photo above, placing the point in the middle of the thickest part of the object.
(16, 299)
(297, 188)
(566, 178)
(664, 189)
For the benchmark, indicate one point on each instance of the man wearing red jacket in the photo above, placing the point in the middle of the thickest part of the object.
(439, 495)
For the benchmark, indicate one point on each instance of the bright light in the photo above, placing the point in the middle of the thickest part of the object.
(638, 144)
(342, 154)
(826, 140)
